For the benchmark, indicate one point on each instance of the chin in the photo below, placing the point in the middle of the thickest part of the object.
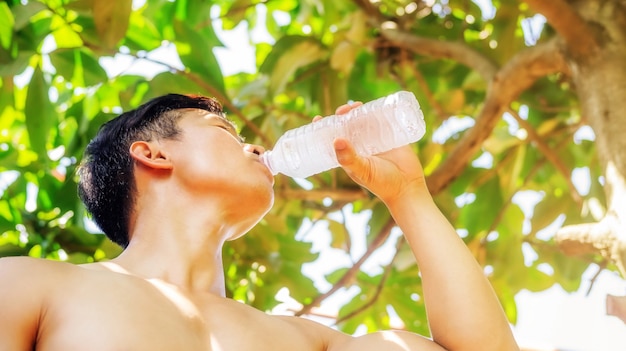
(254, 215)
(265, 200)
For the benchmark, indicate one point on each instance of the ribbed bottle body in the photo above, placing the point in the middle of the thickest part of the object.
(372, 128)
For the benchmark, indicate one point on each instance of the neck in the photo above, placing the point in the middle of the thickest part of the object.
(186, 252)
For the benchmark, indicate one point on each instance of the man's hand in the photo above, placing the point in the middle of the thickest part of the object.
(389, 175)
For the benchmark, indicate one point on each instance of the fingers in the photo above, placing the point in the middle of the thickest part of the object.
(343, 109)
(347, 107)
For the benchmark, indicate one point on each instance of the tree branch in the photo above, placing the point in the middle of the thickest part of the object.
(379, 287)
(574, 30)
(601, 266)
(352, 272)
(369, 9)
(338, 195)
(594, 238)
(516, 76)
(586, 238)
(456, 51)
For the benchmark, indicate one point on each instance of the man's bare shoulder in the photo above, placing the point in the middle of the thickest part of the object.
(24, 272)
(22, 263)
(25, 284)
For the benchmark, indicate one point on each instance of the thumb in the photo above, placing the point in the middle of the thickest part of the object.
(347, 157)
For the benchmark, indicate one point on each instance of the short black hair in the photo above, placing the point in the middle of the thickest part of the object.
(106, 179)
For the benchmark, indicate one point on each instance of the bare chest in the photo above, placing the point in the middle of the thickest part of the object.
(128, 315)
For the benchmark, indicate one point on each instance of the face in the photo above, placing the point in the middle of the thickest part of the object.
(210, 160)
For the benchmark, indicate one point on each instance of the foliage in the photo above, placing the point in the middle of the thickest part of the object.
(58, 85)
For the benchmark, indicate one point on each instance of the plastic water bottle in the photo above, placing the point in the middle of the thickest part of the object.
(372, 128)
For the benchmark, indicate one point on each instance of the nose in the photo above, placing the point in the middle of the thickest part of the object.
(255, 149)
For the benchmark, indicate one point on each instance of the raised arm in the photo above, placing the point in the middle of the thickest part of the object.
(462, 308)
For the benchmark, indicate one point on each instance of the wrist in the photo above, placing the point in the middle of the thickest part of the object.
(411, 195)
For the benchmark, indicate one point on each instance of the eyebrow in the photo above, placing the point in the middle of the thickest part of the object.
(231, 126)
(221, 116)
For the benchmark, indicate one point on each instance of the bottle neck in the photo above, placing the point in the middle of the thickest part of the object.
(266, 159)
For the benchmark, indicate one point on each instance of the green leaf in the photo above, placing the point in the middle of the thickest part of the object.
(364, 72)
(6, 26)
(340, 236)
(24, 12)
(78, 66)
(16, 66)
(93, 73)
(479, 215)
(197, 55)
(8, 158)
(403, 291)
(77, 239)
(547, 211)
(508, 36)
(537, 280)
(236, 13)
(295, 251)
(111, 19)
(289, 54)
(7, 224)
(168, 82)
(343, 56)
(500, 141)
(510, 173)
(507, 300)
(380, 217)
(66, 37)
(196, 13)
(31, 37)
(40, 114)
(142, 34)
(12, 250)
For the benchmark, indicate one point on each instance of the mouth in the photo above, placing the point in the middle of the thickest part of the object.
(266, 169)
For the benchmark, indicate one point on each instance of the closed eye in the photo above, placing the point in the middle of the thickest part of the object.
(220, 121)
(232, 131)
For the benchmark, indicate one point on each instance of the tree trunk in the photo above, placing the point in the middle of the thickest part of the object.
(600, 80)
(599, 75)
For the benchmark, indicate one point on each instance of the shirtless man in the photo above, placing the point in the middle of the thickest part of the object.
(171, 182)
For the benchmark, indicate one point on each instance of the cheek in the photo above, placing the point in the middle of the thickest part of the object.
(208, 169)
(214, 152)
(203, 165)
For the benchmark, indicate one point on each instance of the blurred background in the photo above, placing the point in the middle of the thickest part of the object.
(523, 103)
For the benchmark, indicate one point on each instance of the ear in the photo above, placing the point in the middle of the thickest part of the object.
(150, 155)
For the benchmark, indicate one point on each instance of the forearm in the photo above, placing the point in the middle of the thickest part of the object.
(462, 308)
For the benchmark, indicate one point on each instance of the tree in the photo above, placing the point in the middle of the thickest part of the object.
(510, 104)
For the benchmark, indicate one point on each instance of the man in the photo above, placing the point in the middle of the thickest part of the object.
(171, 182)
